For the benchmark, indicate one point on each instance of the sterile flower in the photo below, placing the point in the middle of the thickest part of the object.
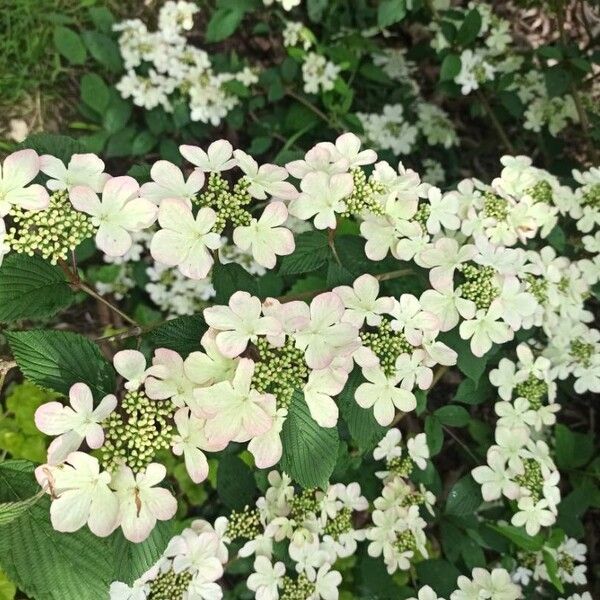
(131, 365)
(484, 329)
(120, 213)
(72, 424)
(347, 147)
(168, 182)
(83, 169)
(418, 450)
(266, 579)
(217, 158)
(17, 170)
(239, 323)
(362, 302)
(533, 515)
(494, 478)
(141, 503)
(184, 240)
(264, 237)
(266, 179)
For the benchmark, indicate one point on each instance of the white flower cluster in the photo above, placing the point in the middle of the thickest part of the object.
(162, 67)
(318, 73)
(398, 530)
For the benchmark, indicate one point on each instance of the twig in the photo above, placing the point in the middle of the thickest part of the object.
(313, 108)
(495, 122)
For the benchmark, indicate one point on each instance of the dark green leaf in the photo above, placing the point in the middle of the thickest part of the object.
(469, 30)
(450, 67)
(104, 49)
(439, 574)
(312, 250)
(60, 146)
(573, 450)
(223, 23)
(464, 497)
(230, 278)
(70, 45)
(94, 92)
(390, 12)
(181, 334)
(452, 415)
(235, 482)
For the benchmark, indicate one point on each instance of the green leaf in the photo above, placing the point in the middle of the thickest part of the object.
(70, 45)
(312, 251)
(309, 450)
(552, 570)
(102, 18)
(181, 334)
(316, 8)
(117, 114)
(435, 435)
(8, 590)
(363, 427)
(58, 359)
(31, 288)
(439, 574)
(452, 415)
(231, 278)
(223, 23)
(519, 537)
(558, 81)
(350, 251)
(104, 49)
(143, 143)
(9, 511)
(450, 68)
(390, 12)
(60, 146)
(573, 450)
(235, 482)
(94, 92)
(464, 498)
(469, 30)
(474, 392)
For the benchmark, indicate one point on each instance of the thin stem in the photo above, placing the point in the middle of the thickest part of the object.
(331, 241)
(313, 108)
(76, 282)
(495, 122)
(461, 443)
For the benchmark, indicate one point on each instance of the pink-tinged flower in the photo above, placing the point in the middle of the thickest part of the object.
(515, 303)
(210, 366)
(318, 393)
(83, 169)
(264, 237)
(120, 212)
(190, 441)
(168, 182)
(322, 197)
(72, 424)
(217, 158)
(324, 336)
(266, 179)
(443, 257)
(81, 495)
(446, 303)
(484, 329)
(239, 323)
(347, 147)
(184, 241)
(131, 365)
(381, 393)
(196, 553)
(141, 504)
(380, 234)
(16, 172)
(362, 302)
(267, 447)
(240, 412)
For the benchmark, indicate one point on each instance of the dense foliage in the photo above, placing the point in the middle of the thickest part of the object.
(251, 354)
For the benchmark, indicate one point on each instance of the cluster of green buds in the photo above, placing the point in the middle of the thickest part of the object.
(400, 465)
(340, 524)
(591, 197)
(304, 504)
(387, 345)
(405, 541)
(495, 206)
(296, 589)
(170, 585)
(534, 390)
(541, 192)
(422, 214)
(365, 196)
(244, 524)
(53, 232)
(538, 286)
(279, 371)
(134, 436)
(479, 285)
(582, 351)
(532, 478)
(227, 203)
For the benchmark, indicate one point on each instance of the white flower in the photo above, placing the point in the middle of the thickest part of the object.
(484, 329)
(121, 591)
(494, 478)
(362, 302)
(322, 197)
(131, 364)
(318, 158)
(474, 70)
(239, 323)
(533, 515)
(120, 213)
(426, 593)
(167, 378)
(382, 394)
(240, 412)
(389, 447)
(141, 504)
(81, 495)
(442, 211)
(418, 450)
(83, 169)
(168, 182)
(196, 553)
(347, 148)
(264, 237)
(443, 257)
(266, 579)
(327, 583)
(185, 241)
(323, 336)
(75, 423)
(267, 447)
(266, 179)
(17, 170)
(447, 304)
(217, 158)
